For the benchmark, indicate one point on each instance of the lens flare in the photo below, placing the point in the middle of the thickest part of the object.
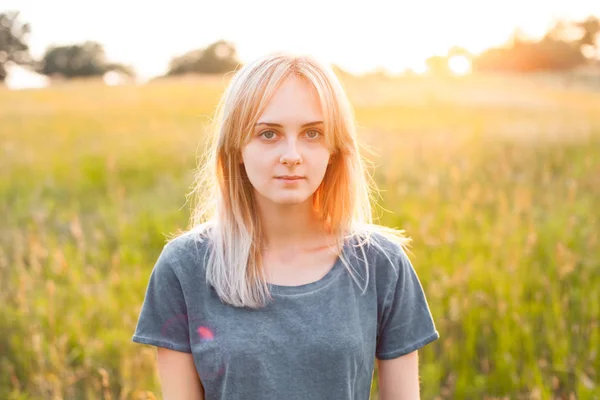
(205, 333)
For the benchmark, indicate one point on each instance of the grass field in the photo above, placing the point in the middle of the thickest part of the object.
(497, 181)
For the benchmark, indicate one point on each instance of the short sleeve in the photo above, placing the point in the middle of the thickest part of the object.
(163, 319)
(406, 322)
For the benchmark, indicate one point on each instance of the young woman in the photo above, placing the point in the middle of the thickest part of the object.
(283, 288)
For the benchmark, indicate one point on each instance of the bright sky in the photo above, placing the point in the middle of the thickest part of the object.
(358, 36)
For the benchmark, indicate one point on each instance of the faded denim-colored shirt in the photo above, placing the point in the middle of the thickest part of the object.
(313, 341)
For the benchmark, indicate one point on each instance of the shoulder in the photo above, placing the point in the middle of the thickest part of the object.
(187, 250)
(385, 251)
(382, 244)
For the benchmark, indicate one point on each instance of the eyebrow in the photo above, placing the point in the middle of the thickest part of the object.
(281, 126)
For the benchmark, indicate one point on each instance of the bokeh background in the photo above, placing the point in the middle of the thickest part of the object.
(481, 122)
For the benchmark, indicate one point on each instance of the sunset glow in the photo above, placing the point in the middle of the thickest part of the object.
(459, 65)
(357, 37)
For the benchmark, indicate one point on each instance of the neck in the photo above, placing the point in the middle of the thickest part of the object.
(291, 226)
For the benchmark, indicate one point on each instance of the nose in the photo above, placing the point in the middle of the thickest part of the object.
(291, 154)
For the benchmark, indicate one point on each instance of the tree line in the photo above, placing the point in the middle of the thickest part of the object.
(88, 59)
(566, 45)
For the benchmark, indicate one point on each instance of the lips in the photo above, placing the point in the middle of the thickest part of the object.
(290, 178)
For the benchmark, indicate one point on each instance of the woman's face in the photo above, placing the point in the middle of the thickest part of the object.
(288, 139)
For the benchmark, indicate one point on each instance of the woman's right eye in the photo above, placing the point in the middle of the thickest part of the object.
(267, 132)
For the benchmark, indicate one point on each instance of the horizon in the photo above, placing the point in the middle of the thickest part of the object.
(354, 50)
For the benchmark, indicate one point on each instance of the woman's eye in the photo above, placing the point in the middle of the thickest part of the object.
(267, 132)
(312, 134)
(315, 134)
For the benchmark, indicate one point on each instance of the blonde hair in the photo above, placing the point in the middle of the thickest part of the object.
(224, 209)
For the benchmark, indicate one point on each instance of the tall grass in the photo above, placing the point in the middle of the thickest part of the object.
(497, 183)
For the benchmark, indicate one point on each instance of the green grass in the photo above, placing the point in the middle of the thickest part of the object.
(497, 182)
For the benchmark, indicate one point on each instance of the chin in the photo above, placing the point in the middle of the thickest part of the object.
(289, 199)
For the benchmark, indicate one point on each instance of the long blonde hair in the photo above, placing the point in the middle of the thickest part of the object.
(224, 209)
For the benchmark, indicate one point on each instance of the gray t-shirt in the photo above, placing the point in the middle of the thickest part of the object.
(313, 341)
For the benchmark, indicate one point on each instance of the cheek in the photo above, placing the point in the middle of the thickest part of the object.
(256, 162)
(319, 160)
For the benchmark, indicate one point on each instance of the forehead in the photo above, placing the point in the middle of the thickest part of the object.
(294, 101)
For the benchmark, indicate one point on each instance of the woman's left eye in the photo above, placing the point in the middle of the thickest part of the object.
(317, 133)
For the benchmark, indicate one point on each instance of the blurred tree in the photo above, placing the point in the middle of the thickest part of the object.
(589, 42)
(584, 33)
(563, 30)
(79, 60)
(437, 65)
(124, 69)
(566, 45)
(13, 42)
(440, 65)
(218, 58)
(522, 55)
(591, 29)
